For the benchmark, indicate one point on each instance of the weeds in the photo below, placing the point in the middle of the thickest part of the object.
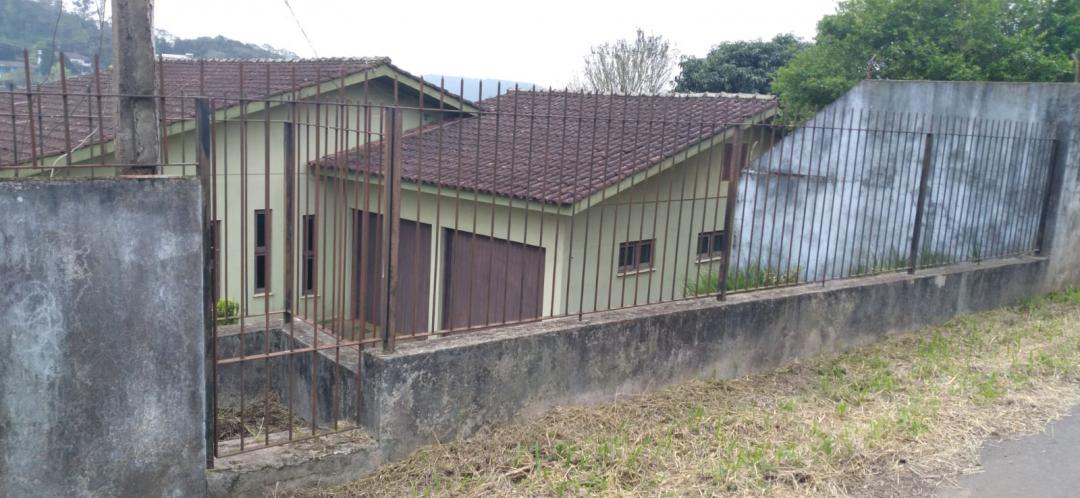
(914, 406)
(751, 277)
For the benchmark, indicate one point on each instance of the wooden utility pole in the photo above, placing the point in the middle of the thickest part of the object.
(1076, 67)
(138, 137)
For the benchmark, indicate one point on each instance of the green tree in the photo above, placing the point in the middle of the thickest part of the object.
(738, 67)
(994, 40)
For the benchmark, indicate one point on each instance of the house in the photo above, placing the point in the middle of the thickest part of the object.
(546, 204)
(525, 205)
(250, 101)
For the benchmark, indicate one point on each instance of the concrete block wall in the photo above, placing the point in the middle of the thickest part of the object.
(102, 386)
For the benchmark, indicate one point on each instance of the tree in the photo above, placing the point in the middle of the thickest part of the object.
(643, 66)
(737, 67)
(994, 40)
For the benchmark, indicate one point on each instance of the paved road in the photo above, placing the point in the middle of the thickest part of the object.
(1043, 465)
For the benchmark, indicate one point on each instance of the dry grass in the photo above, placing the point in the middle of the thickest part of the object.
(893, 418)
(259, 418)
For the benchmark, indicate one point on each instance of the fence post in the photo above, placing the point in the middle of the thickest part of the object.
(391, 208)
(1051, 179)
(734, 165)
(924, 179)
(290, 216)
(202, 135)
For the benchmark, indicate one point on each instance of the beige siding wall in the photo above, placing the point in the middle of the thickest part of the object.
(670, 205)
(671, 208)
(514, 221)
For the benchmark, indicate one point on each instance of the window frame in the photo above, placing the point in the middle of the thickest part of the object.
(262, 250)
(712, 253)
(635, 246)
(308, 249)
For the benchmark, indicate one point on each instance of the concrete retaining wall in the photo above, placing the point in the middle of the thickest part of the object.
(449, 388)
(101, 338)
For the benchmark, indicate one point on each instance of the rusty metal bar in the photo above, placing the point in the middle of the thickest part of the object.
(729, 211)
(392, 130)
(920, 203)
(289, 178)
(30, 108)
(1051, 191)
(206, 181)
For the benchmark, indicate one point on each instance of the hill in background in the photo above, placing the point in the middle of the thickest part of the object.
(33, 24)
(472, 85)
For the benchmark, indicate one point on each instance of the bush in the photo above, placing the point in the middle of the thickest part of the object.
(227, 312)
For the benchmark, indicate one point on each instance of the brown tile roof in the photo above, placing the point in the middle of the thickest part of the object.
(221, 80)
(556, 147)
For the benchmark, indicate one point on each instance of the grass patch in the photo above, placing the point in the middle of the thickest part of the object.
(888, 419)
(750, 277)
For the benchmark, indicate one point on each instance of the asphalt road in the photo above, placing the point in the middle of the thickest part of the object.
(1042, 465)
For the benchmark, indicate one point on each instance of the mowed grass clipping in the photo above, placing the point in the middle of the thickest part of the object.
(893, 418)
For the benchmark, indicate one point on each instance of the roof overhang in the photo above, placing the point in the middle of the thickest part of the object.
(702, 146)
(385, 70)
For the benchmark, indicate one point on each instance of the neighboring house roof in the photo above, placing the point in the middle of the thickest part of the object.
(556, 147)
(218, 79)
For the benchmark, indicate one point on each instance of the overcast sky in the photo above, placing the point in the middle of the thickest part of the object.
(537, 42)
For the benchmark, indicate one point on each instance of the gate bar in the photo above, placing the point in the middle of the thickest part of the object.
(202, 134)
(392, 129)
(924, 178)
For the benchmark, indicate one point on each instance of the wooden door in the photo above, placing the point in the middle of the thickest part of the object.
(414, 272)
(490, 280)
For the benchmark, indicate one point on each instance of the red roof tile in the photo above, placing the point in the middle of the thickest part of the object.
(220, 80)
(556, 147)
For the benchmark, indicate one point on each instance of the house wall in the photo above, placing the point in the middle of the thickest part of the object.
(241, 148)
(531, 224)
(670, 207)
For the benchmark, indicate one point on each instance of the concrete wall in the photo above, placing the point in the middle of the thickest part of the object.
(845, 197)
(441, 389)
(449, 388)
(102, 387)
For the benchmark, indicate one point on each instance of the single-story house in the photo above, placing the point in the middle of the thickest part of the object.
(250, 101)
(525, 205)
(545, 204)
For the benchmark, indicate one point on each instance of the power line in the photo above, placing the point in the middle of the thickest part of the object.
(293, 14)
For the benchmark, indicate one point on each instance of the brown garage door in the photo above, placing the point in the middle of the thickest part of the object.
(414, 272)
(490, 280)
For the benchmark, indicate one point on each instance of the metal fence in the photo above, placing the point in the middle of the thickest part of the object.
(349, 212)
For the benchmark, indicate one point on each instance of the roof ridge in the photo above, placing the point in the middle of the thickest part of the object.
(729, 95)
(362, 60)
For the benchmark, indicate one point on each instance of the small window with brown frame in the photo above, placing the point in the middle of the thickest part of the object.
(710, 245)
(262, 253)
(636, 255)
(308, 254)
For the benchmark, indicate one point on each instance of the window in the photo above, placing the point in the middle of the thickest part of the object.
(729, 157)
(309, 255)
(711, 244)
(262, 252)
(636, 255)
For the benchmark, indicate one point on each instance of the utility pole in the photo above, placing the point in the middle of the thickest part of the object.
(138, 137)
(1076, 67)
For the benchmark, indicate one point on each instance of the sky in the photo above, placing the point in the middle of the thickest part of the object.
(535, 42)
